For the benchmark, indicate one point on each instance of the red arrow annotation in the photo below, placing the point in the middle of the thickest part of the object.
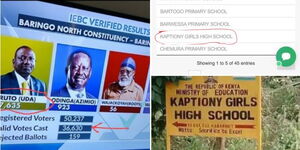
(97, 126)
(177, 124)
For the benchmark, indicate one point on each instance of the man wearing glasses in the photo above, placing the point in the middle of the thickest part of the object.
(23, 63)
(125, 88)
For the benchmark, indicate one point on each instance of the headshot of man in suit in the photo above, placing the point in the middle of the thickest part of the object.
(78, 71)
(23, 63)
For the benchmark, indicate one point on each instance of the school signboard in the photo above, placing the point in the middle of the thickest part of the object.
(214, 107)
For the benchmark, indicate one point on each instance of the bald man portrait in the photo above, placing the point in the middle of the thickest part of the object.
(23, 63)
(78, 72)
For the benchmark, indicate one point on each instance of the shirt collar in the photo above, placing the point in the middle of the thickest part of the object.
(74, 93)
(130, 87)
(21, 79)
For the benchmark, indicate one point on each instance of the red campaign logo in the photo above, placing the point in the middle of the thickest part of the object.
(30, 113)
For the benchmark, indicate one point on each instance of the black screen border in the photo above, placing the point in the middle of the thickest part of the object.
(98, 10)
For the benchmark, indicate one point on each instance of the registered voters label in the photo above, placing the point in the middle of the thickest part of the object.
(224, 37)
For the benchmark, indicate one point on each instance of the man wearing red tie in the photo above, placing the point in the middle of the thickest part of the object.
(23, 63)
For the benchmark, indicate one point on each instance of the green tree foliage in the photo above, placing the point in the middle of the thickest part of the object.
(281, 107)
(280, 118)
(158, 105)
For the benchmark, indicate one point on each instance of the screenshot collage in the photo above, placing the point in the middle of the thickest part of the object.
(150, 75)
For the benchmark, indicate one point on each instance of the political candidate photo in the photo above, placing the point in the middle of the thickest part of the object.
(78, 72)
(126, 77)
(25, 66)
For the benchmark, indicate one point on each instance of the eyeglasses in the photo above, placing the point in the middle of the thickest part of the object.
(123, 71)
(24, 58)
(82, 68)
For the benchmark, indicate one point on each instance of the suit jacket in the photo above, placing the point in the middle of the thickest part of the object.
(9, 80)
(63, 92)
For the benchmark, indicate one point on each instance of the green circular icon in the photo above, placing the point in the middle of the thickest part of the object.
(279, 63)
(285, 56)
